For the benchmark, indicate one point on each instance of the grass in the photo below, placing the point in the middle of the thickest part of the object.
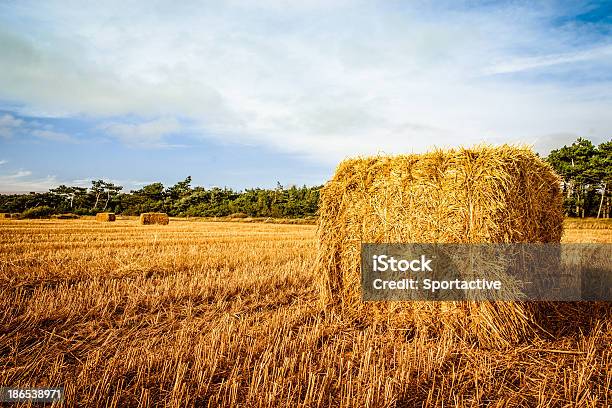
(209, 314)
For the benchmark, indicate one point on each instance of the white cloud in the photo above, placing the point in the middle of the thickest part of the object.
(541, 61)
(3, 162)
(52, 135)
(146, 133)
(9, 125)
(323, 81)
(22, 181)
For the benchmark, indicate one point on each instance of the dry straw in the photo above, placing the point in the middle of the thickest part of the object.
(154, 218)
(483, 194)
(5, 215)
(105, 217)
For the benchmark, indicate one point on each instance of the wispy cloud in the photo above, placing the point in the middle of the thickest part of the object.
(9, 125)
(23, 181)
(542, 61)
(324, 81)
(53, 136)
(149, 133)
(12, 126)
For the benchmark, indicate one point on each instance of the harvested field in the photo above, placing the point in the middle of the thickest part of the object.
(209, 314)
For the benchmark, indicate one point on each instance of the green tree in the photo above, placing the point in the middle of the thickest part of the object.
(96, 190)
(111, 191)
(585, 172)
(601, 169)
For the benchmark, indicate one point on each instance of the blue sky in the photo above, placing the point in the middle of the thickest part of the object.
(245, 94)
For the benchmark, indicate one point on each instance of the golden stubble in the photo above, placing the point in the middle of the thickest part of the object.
(227, 314)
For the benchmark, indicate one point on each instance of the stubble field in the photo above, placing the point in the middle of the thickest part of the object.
(209, 314)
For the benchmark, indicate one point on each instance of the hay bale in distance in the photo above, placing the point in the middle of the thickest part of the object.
(483, 194)
(154, 218)
(105, 217)
(65, 216)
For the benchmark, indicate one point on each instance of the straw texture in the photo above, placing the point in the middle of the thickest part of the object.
(105, 217)
(484, 194)
(154, 218)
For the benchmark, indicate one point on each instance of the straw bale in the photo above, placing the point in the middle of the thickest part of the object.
(105, 217)
(483, 194)
(154, 218)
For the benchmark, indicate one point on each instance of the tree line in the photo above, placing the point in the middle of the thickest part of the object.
(585, 170)
(181, 199)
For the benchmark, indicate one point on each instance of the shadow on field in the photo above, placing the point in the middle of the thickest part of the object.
(569, 319)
